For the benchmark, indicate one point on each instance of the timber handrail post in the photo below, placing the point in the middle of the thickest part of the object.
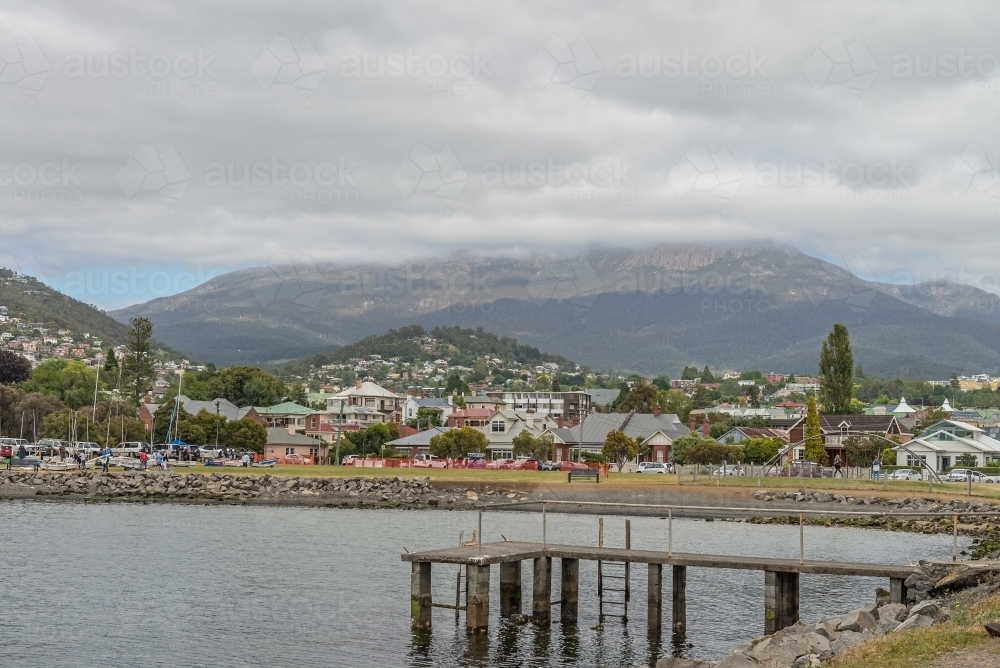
(802, 540)
(670, 532)
(954, 538)
(480, 536)
(544, 541)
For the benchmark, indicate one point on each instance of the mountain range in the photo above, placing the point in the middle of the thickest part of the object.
(650, 311)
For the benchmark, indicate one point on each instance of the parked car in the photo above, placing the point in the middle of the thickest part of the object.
(548, 466)
(651, 467)
(729, 469)
(963, 475)
(905, 474)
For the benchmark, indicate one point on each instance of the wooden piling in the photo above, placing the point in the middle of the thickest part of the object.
(569, 592)
(420, 595)
(541, 595)
(510, 588)
(680, 599)
(781, 600)
(477, 598)
(897, 590)
(654, 600)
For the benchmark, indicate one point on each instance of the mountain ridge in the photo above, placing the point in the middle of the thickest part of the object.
(653, 311)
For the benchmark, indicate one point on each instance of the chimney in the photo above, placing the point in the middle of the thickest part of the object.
(691, 424)
(706, 427)
(291, 430)
(357, 382)
(420, 393)
(656, 409)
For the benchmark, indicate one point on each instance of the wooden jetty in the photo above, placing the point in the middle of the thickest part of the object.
(781, 581)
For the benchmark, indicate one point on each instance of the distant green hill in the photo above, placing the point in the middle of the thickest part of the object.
(31, 300)
(412, 344)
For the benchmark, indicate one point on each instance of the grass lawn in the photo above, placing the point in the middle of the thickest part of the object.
(912, 649)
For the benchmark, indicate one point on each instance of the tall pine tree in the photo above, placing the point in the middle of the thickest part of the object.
(836, 372)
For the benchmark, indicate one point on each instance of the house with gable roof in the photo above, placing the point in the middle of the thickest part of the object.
(942, 444)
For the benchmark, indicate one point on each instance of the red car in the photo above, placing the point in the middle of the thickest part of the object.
(6, 450)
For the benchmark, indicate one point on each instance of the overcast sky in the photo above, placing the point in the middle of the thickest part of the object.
(179, 140)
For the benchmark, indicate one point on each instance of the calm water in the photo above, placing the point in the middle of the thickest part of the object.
(165, 585)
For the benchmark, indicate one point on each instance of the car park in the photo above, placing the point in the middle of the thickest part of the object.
(729, 469)
(905, 474)
(651, 467)
(963, 475)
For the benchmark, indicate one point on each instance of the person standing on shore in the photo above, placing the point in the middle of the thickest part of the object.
(245, 460)
(106, 454)
(837, 464)
(143, 458)
(875, 469)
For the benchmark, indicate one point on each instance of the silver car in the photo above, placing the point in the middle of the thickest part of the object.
(651, 467)
(906, 474)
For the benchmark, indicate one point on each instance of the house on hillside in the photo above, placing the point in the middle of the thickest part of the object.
(838, 428)
(416, 444)
(220, 406)
(469, 417)
(287, 414)
(941, 445)
(411, 406)
(743, 434)
(286, 441)
(657, 431)
(369, 395)
(504, 425)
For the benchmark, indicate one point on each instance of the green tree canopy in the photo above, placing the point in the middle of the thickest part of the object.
(245, 434)
(246, 386)
(676, 402)
(641, 399)
(458, 443)
(527, 445)
(761, 450)
(71, 381)
(13, 368)
(836, 372)
(619, 448)
(862, 449)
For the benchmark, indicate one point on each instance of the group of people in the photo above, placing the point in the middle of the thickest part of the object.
(876, 467)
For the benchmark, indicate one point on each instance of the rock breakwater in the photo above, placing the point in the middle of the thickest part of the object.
(389, 492)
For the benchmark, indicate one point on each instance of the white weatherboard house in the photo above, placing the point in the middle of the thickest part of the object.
(942, 444)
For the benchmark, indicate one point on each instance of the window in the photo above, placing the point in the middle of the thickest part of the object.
(917, 461)
(314, 452)
(497, 427)
(289, 451)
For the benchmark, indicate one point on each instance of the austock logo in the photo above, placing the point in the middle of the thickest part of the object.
(148, 170)
(23, 65)
(283, 62)
(427, 171)
(702, 170)
(835, 63)
(559, 62)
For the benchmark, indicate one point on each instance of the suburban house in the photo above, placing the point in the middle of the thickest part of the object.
(219, 406)
(506, 424)
(492, 404)
(416, 444)
(369, 395)
(837, 428)
(411, 405)
(743, 434)
(286, 441)
(285, 414)
(566, 405)
(941, 445)
(469, 417)
(658, 431)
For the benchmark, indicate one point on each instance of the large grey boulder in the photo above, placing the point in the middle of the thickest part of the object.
(737, 660)
(787, 645)
(857, 620)
(915, 622)
(807, 661)
(826, 628)
(932, 608)
(891, 612)
(678, 662)
(846, 640)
